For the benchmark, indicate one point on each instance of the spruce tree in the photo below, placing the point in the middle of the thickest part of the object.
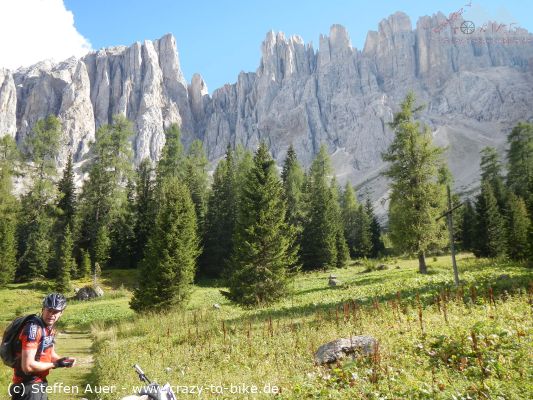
(39, 211)
(417, 196)
(518, 226)
(343, 253)
(491, 236)
(520, 161)
(491, 172)
(167, 270)
(104, 194)
(85, 265)
(264, 253)
(67, 197)
(67, 264)
(319, 242)
(9, 206)
(196, 179)
(468, 224)
(349, 212)
(377, 245)
(220, 218)
(144, 208)
(363, 233)
(122, 231)
(292, 176)
(172, 160)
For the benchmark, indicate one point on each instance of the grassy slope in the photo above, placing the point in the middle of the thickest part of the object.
(274, 345)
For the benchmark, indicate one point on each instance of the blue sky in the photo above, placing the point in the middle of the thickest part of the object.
(218, 39)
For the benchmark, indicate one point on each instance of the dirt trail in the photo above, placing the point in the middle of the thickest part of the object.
(75, 344)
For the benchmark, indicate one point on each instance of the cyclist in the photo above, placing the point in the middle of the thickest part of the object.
(37, 355)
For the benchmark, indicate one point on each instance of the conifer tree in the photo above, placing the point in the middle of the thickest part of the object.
(196, 179)
(122, 231)
(343, 253)
(67, 197)
(319, 243)
(468, 225)
(39, 212)
(144, 208)
(292, 176)
(520, 161)
(220, 218)
(518, 226)
(349, 212)
(490, 228)
(85, 265)
(363, 233)
(67, 264)
(9, 206)
(375, 231)
(167, 270)
(172, 160)
(264, 253)
(104, 195)
(417, 196)
(491, 172)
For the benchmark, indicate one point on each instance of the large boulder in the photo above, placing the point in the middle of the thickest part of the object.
(338, 349)
(89, 292)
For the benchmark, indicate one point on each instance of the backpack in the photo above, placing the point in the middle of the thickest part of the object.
(10, 340)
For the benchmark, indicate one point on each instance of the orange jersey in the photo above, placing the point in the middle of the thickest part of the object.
(31, 337)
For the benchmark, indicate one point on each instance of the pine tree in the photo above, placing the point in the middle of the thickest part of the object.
(144, 208)
(520, 161)
(196, 179)
(490, 229)
(39, 212)
(67, 264)
(9, 157)
(349, 212)
(167, 270)
(319, 243)
(375, 231)
(468, 224)
(518, 225)
(417, 196)
(102, 246)
(264, 253)
(220, 218)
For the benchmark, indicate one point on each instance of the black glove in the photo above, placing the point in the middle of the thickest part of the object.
(64, 362)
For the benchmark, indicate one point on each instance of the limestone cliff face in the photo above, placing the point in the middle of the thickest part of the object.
(475, 87)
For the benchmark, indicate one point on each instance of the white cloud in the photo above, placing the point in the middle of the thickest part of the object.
(35, 30)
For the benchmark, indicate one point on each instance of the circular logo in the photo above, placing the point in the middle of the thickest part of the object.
(468, 27)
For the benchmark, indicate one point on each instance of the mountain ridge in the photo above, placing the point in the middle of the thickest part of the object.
(475, 89)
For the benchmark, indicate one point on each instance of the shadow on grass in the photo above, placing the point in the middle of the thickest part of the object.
(427, 294)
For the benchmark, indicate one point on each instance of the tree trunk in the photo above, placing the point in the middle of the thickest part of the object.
(422, 267)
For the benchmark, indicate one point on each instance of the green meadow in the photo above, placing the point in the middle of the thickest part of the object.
(435, 341)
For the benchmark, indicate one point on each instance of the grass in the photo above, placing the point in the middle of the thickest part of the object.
(472, 343)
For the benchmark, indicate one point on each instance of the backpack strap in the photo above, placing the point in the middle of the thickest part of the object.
(39, 321)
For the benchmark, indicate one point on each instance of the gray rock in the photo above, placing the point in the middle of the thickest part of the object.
(503, 277)
(381, 267)
(341, 348)
(334, 282)
(89, 292)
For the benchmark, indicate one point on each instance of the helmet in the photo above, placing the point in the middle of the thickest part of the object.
(55, 301)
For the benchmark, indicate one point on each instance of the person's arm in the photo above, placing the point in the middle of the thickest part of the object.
(30, 366)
